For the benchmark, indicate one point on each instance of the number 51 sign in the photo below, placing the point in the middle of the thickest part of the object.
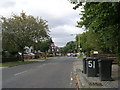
(91, 64)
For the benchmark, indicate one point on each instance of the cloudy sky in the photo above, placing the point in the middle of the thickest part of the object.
(59, 14)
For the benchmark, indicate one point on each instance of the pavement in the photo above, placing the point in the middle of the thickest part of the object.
(95, 82)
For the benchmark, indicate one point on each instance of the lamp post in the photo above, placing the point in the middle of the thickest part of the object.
(79, 47)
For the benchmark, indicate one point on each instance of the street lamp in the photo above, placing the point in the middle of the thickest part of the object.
(79, 47)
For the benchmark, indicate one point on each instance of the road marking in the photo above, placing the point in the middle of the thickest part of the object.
(20, 73)
(71, 78)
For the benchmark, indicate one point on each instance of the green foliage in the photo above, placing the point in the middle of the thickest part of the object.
(10, 64)
(43, 46)
(102, 23)
(87, 41)
(69, 48)
(80, 57)
(21, 31)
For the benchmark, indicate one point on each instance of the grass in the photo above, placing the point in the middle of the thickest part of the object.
(44, 59)
(80, 57)
(48, 58)
(10, 64)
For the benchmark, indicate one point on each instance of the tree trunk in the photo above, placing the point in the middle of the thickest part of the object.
(118, 49)
(22, 56)
(45, 55)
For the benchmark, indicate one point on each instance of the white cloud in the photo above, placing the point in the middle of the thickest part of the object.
(59, 14)
(63, 34)
(68, 29)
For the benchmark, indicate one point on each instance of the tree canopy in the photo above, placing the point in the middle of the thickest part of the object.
(102, 24)
(43, 46)
(69, 48)
(20, 31)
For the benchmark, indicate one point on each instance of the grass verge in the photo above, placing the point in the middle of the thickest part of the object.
(48, 58)
(43, 58)
(80, 57)
(10, 64)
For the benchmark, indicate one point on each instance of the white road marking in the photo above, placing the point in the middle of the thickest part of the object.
(71, 78)
(20, 73)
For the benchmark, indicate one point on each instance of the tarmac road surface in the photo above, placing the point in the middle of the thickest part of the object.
(55, 73)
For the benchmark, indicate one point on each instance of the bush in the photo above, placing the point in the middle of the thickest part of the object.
(7, 54)
(13, 59)
(9, 57)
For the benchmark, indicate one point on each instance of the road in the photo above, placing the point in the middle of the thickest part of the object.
(55, 73)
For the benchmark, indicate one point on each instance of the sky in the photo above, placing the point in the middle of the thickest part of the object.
(62, 18)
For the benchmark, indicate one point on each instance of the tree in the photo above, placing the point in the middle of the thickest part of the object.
(88, 41)
(21, 31)
(69, 48)
(101, 20)
(44, 45)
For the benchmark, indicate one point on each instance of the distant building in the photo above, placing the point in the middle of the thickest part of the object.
(54, 49)
(28, 49)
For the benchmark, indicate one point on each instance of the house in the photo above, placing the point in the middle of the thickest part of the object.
(54, 49)
(28, 49)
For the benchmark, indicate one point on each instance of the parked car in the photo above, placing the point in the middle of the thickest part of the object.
(29, 55)
(74, 55)
(68, 54)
